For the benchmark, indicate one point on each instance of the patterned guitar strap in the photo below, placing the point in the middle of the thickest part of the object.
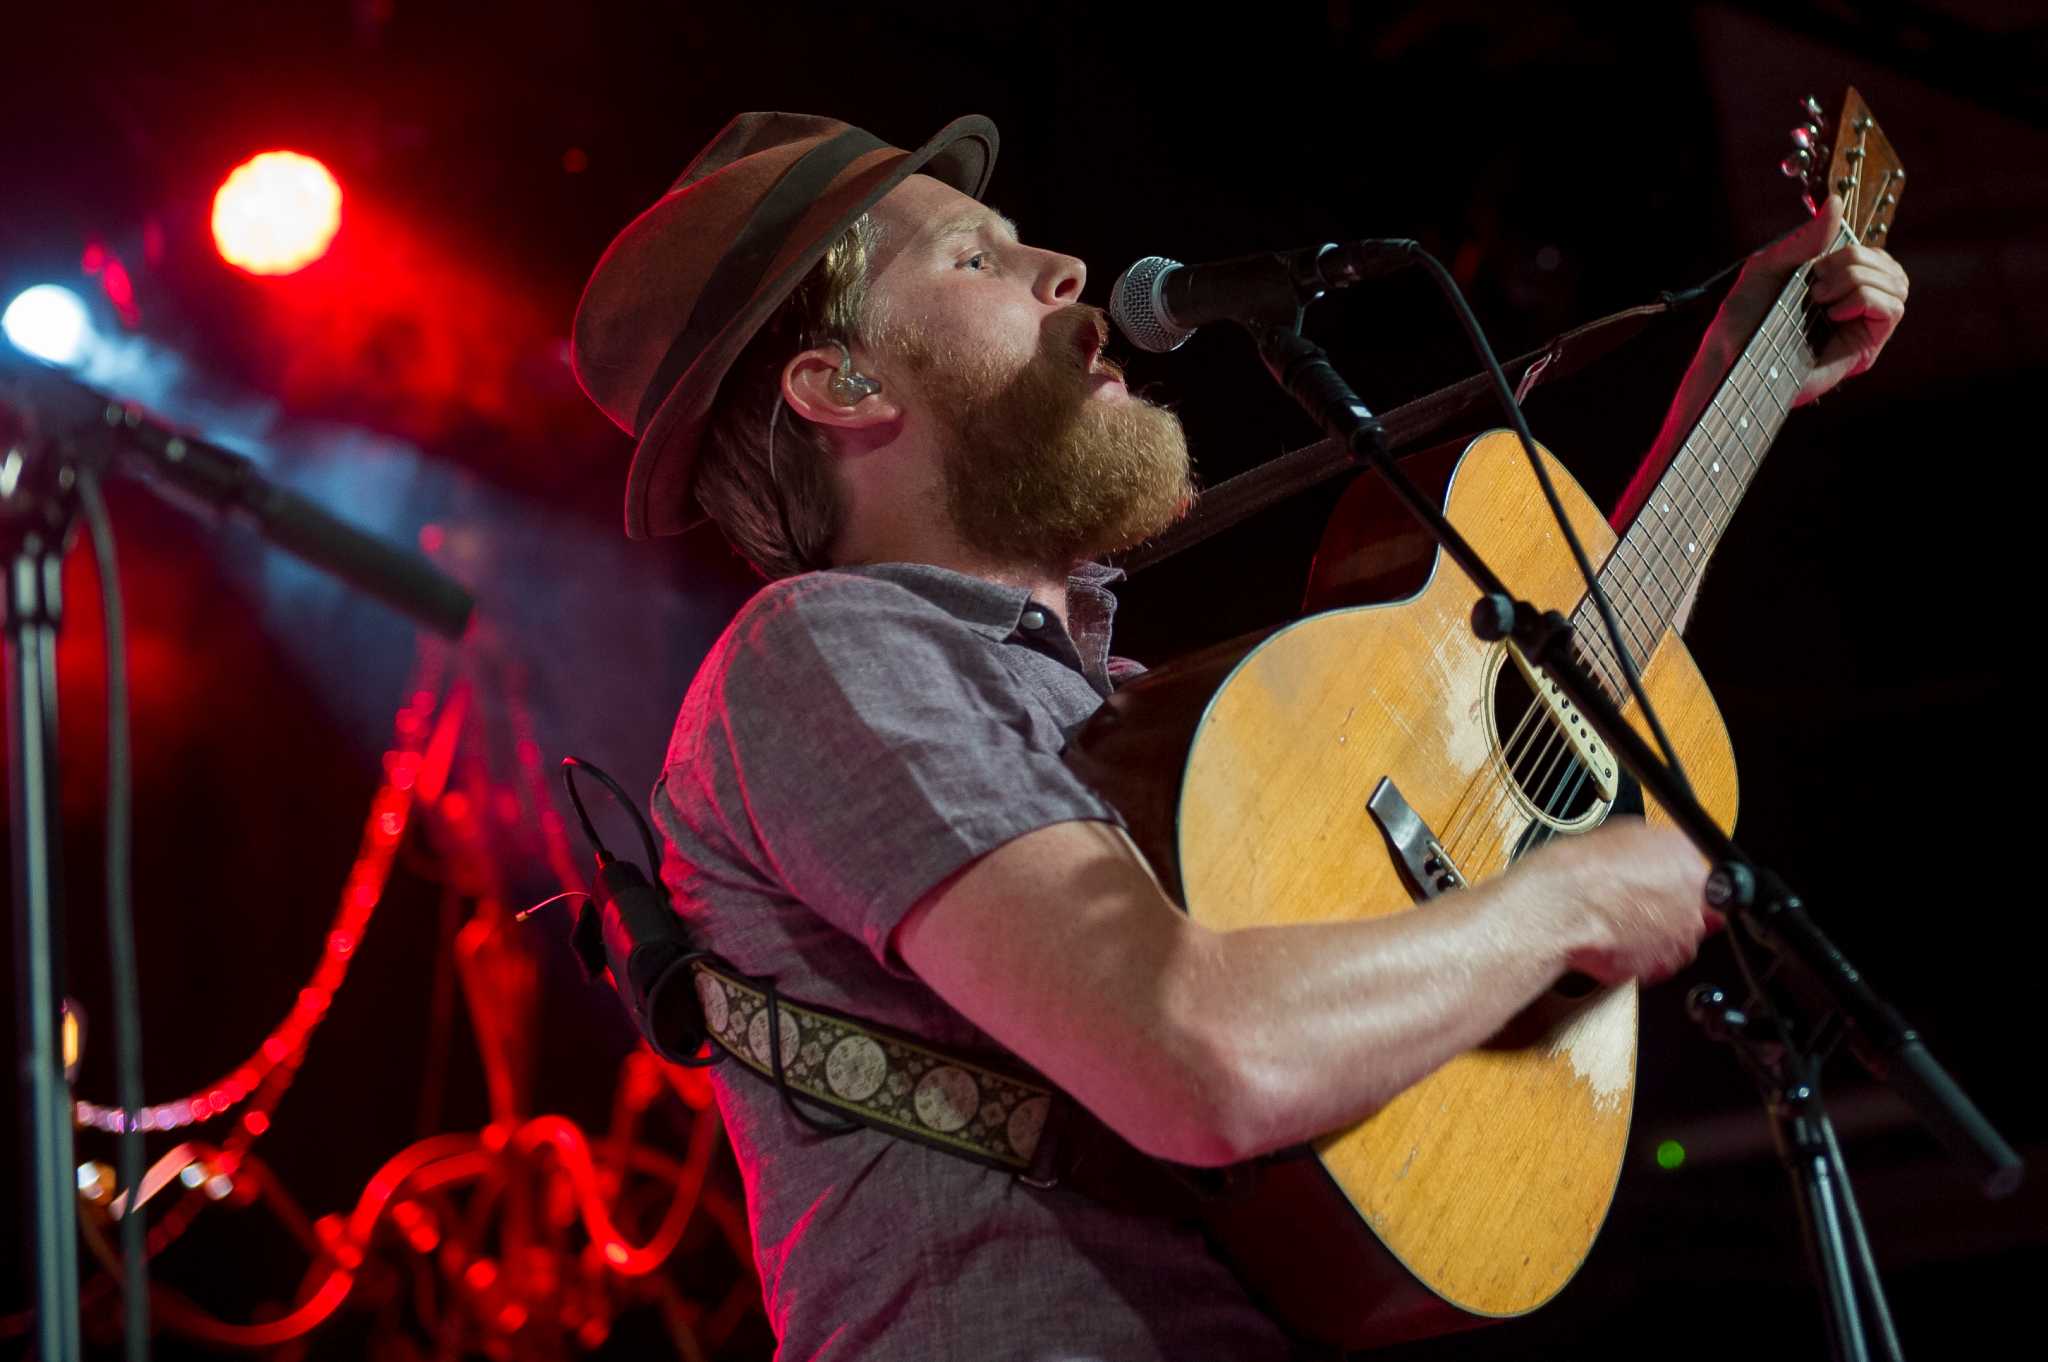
(992, 1111)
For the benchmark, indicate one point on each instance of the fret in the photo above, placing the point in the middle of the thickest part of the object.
(1630, 610)
(1661, 555)
(1705, 471)
(1771, 416)
(1598, 660)
(1681, 509)
(1641, 625)
(1772, 345)
(1623, 585)
(1659, 586)
(1727, 458)
(1717, 443)
(1668, 549)
(1741, 459)
(1643, 580)
(1782, 365)
(1749, 418)
(1656, 539)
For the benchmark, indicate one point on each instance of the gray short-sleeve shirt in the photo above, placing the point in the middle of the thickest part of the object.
(855, 738)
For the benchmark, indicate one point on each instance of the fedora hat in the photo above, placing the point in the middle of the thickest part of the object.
(680, 292)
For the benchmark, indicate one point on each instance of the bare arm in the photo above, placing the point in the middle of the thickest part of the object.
(1207, 1047)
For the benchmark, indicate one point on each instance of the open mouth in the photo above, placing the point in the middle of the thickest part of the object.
(1090, 341)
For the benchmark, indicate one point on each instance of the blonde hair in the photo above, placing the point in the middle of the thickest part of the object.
(775, 496)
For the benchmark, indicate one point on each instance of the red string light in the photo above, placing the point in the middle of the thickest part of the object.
(589, 1178)
(390, 812)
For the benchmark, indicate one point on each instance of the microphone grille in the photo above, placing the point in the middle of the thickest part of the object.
(1135, 307)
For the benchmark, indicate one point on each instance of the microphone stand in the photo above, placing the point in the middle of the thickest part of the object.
(51, 427)
(38, 511)
(1783, 1056)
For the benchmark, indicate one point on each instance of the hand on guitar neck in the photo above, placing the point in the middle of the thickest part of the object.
(1862, 289)
(1859, 288)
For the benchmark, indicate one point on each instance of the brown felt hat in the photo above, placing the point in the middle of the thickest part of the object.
(682, 290)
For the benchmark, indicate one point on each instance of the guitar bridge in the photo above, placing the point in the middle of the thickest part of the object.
(1429, 866)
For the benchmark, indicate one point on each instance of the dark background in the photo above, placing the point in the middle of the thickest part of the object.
(1861, 629)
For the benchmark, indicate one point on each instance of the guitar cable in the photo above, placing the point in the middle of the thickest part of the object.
(126, 985)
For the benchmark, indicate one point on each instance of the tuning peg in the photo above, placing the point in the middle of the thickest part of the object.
(1812, 110)
(1802, 137)
(1796, 165)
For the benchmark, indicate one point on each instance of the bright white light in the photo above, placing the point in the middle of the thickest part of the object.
(50, 322)
(276, 213)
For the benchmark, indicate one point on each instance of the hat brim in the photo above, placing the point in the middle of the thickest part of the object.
(658, 501)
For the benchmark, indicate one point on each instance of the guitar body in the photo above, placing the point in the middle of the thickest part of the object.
(1245, 772)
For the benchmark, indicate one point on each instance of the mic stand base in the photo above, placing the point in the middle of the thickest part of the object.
(1838, 1251)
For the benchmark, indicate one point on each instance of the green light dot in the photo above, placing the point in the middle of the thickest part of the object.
(1670, 1154)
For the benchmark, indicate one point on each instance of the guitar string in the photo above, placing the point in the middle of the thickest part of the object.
(1503, 791)
(1780, 327)
(1485, 821)
(1775, 338)
(1565, 789)
(1517, 760)
(1783, 335)
(1773, 335)
(1460, 822)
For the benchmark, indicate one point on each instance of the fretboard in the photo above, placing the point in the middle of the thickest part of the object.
(1662, 554)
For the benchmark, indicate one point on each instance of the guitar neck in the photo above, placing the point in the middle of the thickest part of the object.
(1660, 557)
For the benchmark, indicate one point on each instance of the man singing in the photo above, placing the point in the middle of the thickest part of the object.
(901, 415)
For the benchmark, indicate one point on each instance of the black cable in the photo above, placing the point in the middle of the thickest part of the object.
(789, 1095)
(1466, 319)
(571, 765)
(127, 986)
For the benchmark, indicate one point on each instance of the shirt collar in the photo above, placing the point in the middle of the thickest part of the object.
(996, 611)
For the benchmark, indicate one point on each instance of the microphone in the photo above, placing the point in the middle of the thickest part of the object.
(87, 423)
(1158, 303)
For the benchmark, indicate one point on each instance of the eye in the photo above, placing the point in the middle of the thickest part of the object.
(976, 260)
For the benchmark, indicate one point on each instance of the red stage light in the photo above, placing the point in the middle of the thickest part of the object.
(276, 213)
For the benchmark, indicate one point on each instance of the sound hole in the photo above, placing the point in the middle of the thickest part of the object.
(1537, 752)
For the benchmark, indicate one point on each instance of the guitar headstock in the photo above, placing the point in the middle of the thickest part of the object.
(1853, 159)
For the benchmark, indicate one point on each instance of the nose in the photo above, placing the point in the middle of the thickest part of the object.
(1060, 279)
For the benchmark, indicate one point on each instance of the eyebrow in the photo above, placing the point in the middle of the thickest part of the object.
(974, 223)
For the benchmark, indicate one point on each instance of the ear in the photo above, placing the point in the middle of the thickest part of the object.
(807, 388)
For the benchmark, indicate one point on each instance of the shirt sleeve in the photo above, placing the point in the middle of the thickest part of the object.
(877, 746)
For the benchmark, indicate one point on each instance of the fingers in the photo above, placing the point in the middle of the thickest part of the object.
(1863, 292)
(1809, 241)
(1882, 310)
(1835, 277)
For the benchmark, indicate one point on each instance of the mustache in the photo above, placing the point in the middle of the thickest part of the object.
(1083, 330)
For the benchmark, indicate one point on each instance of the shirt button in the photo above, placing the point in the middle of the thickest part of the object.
(1033, 618)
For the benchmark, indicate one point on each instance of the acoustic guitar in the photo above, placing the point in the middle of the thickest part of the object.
(1366, 758)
